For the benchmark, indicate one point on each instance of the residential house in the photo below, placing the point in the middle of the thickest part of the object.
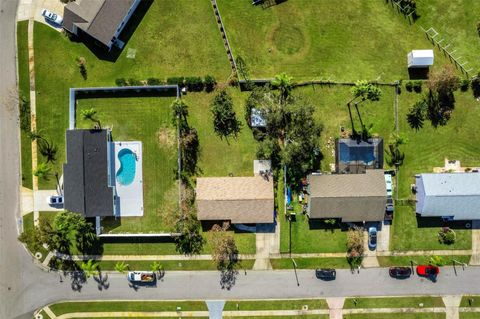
(349, 197)
(103, 20)
(240, 200)
(454, 196)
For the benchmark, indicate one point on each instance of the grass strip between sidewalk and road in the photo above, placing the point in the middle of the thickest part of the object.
(286, 304)
(310, 263)
(397, 302)
(470, 301)
(421, 260)
(395, 316)
(469, 315)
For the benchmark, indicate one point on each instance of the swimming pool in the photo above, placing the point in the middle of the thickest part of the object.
(126, 173)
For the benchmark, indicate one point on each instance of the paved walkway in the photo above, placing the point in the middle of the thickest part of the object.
(475, 260)
(451, 306)
(383, 239)
(335, 306)
(49, 312)
(26, 204)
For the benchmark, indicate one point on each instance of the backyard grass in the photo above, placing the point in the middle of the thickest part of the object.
(221, 157)
(397, 302)
(145, 119)
(24, 92)
(310, 263)
(161, 51)
(456, 21)
(428, 147)
(342, 40)
(421, 260)
(286, 304)
(396, 316)
(406, 234)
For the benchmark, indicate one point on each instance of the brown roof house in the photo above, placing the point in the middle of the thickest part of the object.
(241, 200)
(102, 20)
(351, 197)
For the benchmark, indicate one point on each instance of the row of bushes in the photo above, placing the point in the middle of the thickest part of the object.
(416, 86)
(192, 83)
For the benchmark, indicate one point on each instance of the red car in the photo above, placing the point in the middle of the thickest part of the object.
(427, 270)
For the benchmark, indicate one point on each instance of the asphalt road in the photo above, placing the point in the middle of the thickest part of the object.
(24, 287)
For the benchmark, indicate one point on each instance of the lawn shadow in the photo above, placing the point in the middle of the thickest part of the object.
(418, 73)
(432, 222)
(137, 240)
(321, 224)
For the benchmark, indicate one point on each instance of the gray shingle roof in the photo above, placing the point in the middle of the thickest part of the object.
(98, 18)
(449, 194)
(85, 175)
(352, 197)
(239, 199)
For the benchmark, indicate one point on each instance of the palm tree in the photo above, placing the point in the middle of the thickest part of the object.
(180, 110)
(90, 268)
(121, 267)
(42, 171)
(285, 84)
(89, 114)
(156, 267)
(48, 150)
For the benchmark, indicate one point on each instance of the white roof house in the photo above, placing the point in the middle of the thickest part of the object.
(420, 58)
(449, 195)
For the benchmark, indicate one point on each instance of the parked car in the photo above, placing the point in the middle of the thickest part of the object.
(388, 183)
(372, 238)
(55, 200)
(50, 16)
(400, 272)
(141, 276)
(427, 270)
(325, 273)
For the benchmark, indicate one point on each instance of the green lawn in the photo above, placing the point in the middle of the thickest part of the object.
(456, 21)
(428, 147)
(469, 315)
(24, 92)
(470, 301)
(396, 316)
(310, 263)
(344, 40)
(220, 157)
(419, 260)
(99, 306)
(147, 120)
(287, 304)
(397, 302)
(284, 317)
(162, 51)
(406, 235)
(171, 265)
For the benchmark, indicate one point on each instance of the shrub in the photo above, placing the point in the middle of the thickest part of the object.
(121, 82)
(154, 81)
(134, 82)
(409, 86)
(194, 83)
(24, 114)
(209, 82)
(446, 236)
(476, 86)
(176, 80)
(478, 28)
(417, 86)
(464, 84)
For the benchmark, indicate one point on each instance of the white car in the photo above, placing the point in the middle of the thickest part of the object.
(55, 200)
(388, 183)
(50, 16)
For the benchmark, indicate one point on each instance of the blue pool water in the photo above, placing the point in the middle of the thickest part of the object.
(126, 172)
(363, 153)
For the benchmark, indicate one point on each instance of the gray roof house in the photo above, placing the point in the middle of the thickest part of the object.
(103, 20)
(86, 175)
(448, 195)
(356, 156)
(241, 200)
(350, 197)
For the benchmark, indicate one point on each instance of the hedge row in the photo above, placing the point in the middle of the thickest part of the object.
(192, 83)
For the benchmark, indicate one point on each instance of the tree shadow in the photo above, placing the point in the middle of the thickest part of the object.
(77, 280)
(102, 281)
(418, 73)
(228, 278)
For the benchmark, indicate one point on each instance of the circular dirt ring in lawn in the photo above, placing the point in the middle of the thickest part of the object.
(288, 39)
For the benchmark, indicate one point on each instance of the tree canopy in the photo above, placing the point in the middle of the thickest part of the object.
(225, 122)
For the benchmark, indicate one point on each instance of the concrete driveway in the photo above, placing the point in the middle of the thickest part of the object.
(28, 9)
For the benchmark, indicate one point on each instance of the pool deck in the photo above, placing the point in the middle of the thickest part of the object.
(129, 202)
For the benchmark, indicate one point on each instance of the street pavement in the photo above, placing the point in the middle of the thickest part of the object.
(25, 287)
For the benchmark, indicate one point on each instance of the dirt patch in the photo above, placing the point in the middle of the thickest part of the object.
(166, 137)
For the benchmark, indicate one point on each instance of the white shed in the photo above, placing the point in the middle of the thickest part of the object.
(420, 58)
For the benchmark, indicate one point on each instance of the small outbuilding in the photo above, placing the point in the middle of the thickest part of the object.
(257, 118)
(420, 58)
